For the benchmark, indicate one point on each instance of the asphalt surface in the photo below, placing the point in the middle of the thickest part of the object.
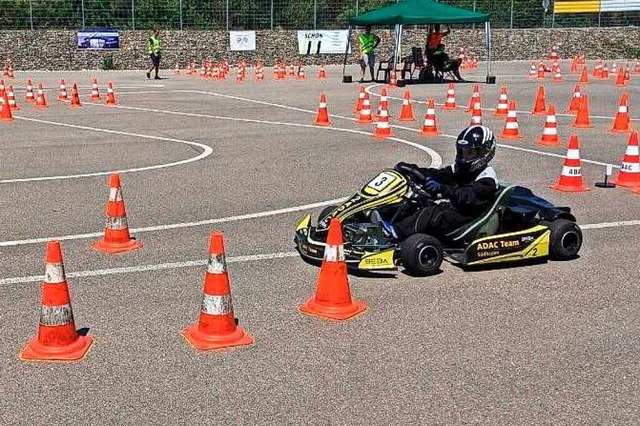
(551, 343)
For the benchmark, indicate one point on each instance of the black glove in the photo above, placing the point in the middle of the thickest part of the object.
(432, 185)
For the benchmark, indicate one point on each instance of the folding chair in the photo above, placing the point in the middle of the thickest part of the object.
(418, 61)
(385, 67)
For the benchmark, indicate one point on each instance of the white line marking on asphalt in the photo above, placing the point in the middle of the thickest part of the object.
(156, 267)
(610, 224)
(206, 151)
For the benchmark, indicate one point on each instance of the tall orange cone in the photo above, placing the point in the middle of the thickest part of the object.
(605, 72)
(550, 132)
(406, 114)
(392, 80)
(383, 130)
(571, 176)
(322, 118)
(539, 107)
(216, 327)
(620, 78)
(574, 104)
(582, 118)
(383, 103)
(629, 174)
(503, 103)
(364, 115)
(332, 299)
(360, 100)
(11, 97)
(541, 68)
(95, 92)
(574, 66)
(75, 97)
(29, 97)
(57, 338)
(557, 76)
(322, 73)
(533, 70)
(41, 101)
(475, 97)
(621, 122)
(476, 114)
(111, 96)
(300, 72)
(450, 100)
(62, 96)
(511, 129)
(5, 112)
(430, 128)
(584, 77)
(116, 232)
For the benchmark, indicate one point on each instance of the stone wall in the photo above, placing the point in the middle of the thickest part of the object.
(55, 49)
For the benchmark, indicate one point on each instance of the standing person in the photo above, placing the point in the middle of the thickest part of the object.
(154, 52)
(435, 37)
(368, 42)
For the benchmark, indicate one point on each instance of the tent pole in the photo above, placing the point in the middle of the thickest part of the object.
(346, 51)
(487, 29)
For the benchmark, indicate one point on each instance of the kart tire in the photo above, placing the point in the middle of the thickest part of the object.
(421, 254)
(566, 239)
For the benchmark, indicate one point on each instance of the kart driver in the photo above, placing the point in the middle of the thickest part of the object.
(463, 190)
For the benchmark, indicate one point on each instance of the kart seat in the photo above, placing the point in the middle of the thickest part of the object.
(489, 222)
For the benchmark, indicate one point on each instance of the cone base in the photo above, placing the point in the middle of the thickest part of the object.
(450, 108)
(34, 351)
(430, 133)
(626, 183)
(407, 119)
(383, 136)
(543, 112)
(322, 123)
(500, 114)
(206, 342)
(629, 130)
(364, 121)
(42, 106)
(106, 247)
(518, 136)
(7, 119)
(583, 126)
(542, 142)
(565, 188)
(339, 313)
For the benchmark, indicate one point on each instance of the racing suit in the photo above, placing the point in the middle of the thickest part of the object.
(464, 196)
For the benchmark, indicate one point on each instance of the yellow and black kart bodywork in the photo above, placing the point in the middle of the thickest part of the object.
(519, 227)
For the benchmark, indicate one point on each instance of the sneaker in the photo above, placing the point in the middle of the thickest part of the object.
(148, 74)
(157, 78)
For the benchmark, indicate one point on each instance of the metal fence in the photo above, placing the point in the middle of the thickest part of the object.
(268, 14)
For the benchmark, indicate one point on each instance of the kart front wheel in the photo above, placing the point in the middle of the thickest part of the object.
(421, 254)
(565, 240)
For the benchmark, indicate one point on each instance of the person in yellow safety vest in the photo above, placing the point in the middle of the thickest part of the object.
(154, 51)
(368, 42)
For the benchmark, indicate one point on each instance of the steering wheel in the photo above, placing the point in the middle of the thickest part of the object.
(413, 173)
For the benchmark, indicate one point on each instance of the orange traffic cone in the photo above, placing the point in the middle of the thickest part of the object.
(12, 99)
(322, 118)
(430, 128)
(503, 103)
(574, 104)
(605, 72)
(95, 92)
(332, 299)
(450, 100)
(597, 70)
(41, 101)
(383, 130)
(29, 97)
(301, 72)
(584, 77)
(571, 176)
(550, 132)
(475, 97)
(629, 174)
(614, 68)
(621, 122)
(574, 66)
(75, 97)
(627, 76)
(116, 232)
(541, 68)
(511, 129)
(57, 338)
(539, 107)
(383, 103)
(216, 327)
(176, 70)
(111, 96)
(476, 115)
(5, 112)
(533, 70)
(360, 100)
(620, 78)
(364, 115)
(557, 76)
(322, 74)
(406, 114)
(62, 96)
(392, 80)
(582, 118)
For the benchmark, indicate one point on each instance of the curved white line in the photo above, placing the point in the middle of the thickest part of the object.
(206, 151)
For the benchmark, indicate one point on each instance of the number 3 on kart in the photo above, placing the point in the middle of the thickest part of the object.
(381, 181)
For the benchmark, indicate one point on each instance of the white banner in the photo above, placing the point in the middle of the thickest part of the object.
(619, 5)
(242, 40)
(314, 42)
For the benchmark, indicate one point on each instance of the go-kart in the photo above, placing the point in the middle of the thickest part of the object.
(519, 226)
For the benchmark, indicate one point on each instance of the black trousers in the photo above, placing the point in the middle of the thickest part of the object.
(435, 219)
(155, 59)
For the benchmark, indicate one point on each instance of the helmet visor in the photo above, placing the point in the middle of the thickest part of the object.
(470, 153)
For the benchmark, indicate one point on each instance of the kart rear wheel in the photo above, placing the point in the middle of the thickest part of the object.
(566, 239)
(421, 254)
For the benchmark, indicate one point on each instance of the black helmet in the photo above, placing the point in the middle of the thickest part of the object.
(475, 147)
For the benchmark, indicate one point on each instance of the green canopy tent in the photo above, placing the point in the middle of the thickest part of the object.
(419, 12)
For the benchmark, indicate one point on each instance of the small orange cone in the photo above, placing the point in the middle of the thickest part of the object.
(574, 66)
(29, 97)
(614, 68)
(629, 174)
(582, 118)
(322, 118)
(216, 327)
(364, 115)
(322, 74)
(475, 97)
(57, 338)
(41, 101)
(116, 232)
(503, 103)
(476, 114)
(383, 103)
(5, 112)
(360, 101)
(406, 114)
(450, 100)
(597, 70)
(620, 78)
(571, 176)
(392, 80)
(62, 96)
(557, 76)
(301, 72)
(539, 107)
(550, 132)
(430, 128)
(533, 70)
(541, 68)
(75, 97)
(12, 99)
(605, 72)
(584, 77)
(574, 104)
(111, 96)
(176, 70)
(332, 299)
(383, 130)
(627, 76)
(621, 122)
(511, 129)
(95, 92)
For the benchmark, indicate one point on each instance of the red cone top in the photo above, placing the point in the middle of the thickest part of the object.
(573, 142)
(54, 253)
(114, 180)
(216, 245)
(335, 232)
